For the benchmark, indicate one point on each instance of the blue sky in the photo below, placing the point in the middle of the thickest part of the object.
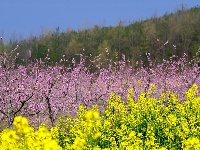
(22, 18)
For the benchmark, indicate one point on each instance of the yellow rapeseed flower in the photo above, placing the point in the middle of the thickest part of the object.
(20, 121)
(89, 115)
(9, 136)
(152, 86)
(52, 145)
(191, 143)
(97, 135)
(139, 81)
(171, 119)
(79, 143)
(95, 114)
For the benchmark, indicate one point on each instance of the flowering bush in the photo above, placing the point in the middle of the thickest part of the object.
(43, 93)
(148, 123)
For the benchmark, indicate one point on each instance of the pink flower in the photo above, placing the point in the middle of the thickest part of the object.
(166, 42)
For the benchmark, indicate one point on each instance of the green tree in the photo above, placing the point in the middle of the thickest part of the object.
(105, 52)
(74, 47)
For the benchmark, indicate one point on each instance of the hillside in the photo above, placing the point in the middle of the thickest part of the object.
(171, 34)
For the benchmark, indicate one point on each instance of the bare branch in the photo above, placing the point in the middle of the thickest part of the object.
(23, 103)
(3, 113)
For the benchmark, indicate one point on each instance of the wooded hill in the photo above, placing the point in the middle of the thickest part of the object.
(171, 34)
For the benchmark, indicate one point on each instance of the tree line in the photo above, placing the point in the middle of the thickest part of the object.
(175, 33)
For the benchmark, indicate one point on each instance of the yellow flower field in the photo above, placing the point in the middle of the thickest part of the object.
(146, 123)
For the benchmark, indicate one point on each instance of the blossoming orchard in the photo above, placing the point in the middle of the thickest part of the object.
(156, 106)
